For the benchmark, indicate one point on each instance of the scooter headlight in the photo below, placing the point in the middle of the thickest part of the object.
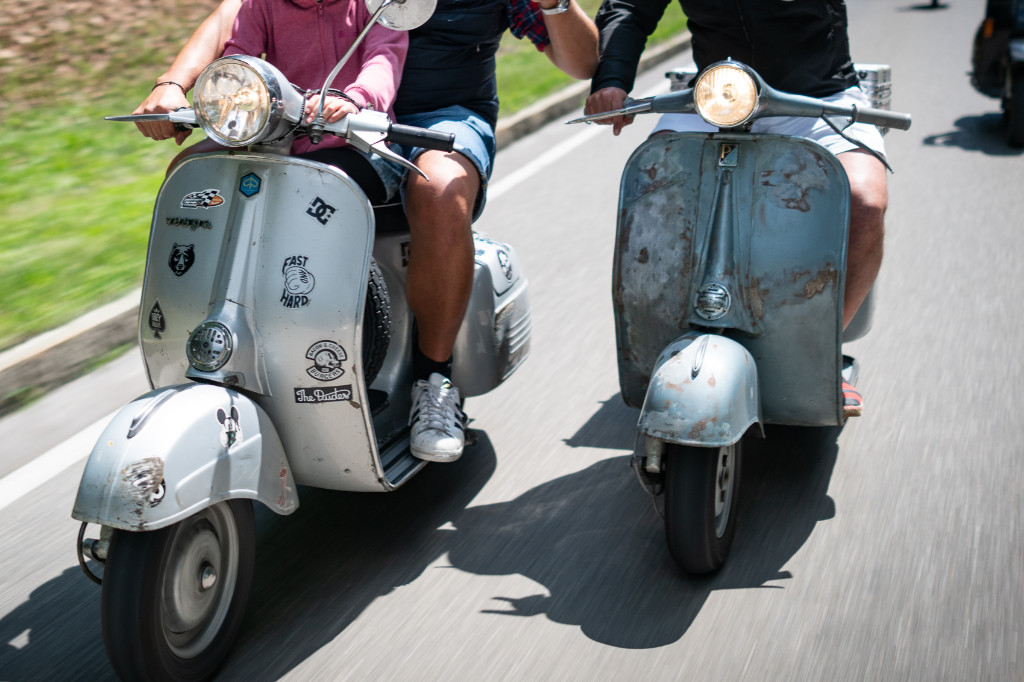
(236, 102)
(725, 95)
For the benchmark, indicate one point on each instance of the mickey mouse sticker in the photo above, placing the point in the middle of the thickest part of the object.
(232, 429)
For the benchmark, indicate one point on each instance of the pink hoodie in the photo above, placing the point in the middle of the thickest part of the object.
(306, 38)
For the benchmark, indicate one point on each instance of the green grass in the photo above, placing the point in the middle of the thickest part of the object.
(76, 192)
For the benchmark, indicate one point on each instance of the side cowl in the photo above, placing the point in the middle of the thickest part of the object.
(179, 449)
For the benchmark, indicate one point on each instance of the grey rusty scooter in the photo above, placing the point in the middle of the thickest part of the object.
(730, 263)
(278, 341)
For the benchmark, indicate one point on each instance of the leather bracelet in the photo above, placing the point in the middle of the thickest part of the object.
(180, 87)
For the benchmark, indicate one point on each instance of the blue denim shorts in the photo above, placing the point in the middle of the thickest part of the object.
(474, 139)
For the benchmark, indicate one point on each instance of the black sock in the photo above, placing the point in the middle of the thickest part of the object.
(423, 367)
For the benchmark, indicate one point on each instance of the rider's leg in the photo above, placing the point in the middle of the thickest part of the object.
(440, 275)
(868, 201)
(439, 282)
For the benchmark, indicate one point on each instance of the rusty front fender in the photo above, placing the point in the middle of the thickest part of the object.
(177, 450)
(703, 392)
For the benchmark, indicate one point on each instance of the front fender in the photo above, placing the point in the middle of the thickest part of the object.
(179, 449)
(704, 392)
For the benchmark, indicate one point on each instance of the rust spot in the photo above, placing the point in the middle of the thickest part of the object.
(698, 429)
(652, 172)
(755, 296)
(820, 282)
(643, 257)
(711, 381)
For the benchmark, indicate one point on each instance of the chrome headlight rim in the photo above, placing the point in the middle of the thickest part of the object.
(749, 99)
(272, 105)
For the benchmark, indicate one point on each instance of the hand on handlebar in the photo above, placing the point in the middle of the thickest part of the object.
(334, 108)
(162, 100)
(608, 99)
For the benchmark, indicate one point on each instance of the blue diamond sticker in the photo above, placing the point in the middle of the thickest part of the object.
(250, 184)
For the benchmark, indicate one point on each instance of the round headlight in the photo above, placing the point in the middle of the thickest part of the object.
(725, 95)
(232, 102)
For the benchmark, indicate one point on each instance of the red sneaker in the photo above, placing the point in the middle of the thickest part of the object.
(853, 404)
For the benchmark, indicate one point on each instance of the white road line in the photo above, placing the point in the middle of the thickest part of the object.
(53, 462)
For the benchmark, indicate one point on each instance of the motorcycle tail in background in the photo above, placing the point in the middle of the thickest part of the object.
(730, 261)
(998, 62)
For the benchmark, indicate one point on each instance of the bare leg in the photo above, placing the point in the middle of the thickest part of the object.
(868, 201)
(440, 276)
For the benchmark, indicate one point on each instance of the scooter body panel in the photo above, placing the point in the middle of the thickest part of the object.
(703, 392)
(751, 229)
(280, 250)
(177, 450)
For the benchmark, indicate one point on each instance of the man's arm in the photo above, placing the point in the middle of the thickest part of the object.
(205, 45)
(624, 27)
(573, 35)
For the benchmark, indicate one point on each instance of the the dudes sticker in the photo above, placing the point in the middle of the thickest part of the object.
(207, 198)
(157, 324)
(320, 210)
(327, 357)
(327, 394)
(298, 282)
(181, 259)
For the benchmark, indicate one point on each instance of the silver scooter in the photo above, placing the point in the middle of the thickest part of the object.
(277, 338)
(730, 263)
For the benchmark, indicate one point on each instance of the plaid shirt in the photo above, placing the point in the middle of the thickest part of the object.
(526, 21)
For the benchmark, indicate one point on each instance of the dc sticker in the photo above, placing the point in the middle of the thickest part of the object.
(320, 210)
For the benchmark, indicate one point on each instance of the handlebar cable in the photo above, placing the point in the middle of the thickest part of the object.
(854, 141)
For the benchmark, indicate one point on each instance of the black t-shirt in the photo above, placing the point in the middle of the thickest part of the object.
(798, 46)
(451, 59)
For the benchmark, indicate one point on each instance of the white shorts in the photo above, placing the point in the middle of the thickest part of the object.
(811, 128)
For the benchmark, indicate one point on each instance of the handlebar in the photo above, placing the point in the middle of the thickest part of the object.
(878, 117)
(409, 136)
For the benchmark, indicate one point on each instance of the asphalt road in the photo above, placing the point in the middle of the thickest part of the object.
(891, 550)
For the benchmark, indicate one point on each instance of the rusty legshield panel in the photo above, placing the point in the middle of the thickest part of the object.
(767, 217)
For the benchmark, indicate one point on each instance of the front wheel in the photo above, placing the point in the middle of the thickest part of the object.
(173, 598)
(700, 504)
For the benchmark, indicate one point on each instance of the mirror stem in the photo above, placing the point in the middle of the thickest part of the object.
(316, 131)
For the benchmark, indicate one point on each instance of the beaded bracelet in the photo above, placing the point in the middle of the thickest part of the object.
(180, 87)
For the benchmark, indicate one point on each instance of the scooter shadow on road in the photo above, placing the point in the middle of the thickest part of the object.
(982, 133)
(316, 571)
(320, 568)
(55, 634)
(606, 565)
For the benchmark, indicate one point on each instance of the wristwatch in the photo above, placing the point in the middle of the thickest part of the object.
(560, 6)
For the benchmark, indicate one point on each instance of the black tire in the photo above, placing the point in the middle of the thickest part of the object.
(1014, 104)
(376, 324)
(701, 487)
(159, 622)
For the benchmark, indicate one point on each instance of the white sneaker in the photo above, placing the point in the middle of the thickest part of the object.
(436, 421)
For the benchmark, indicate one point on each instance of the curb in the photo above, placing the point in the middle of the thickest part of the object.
(54, 358)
